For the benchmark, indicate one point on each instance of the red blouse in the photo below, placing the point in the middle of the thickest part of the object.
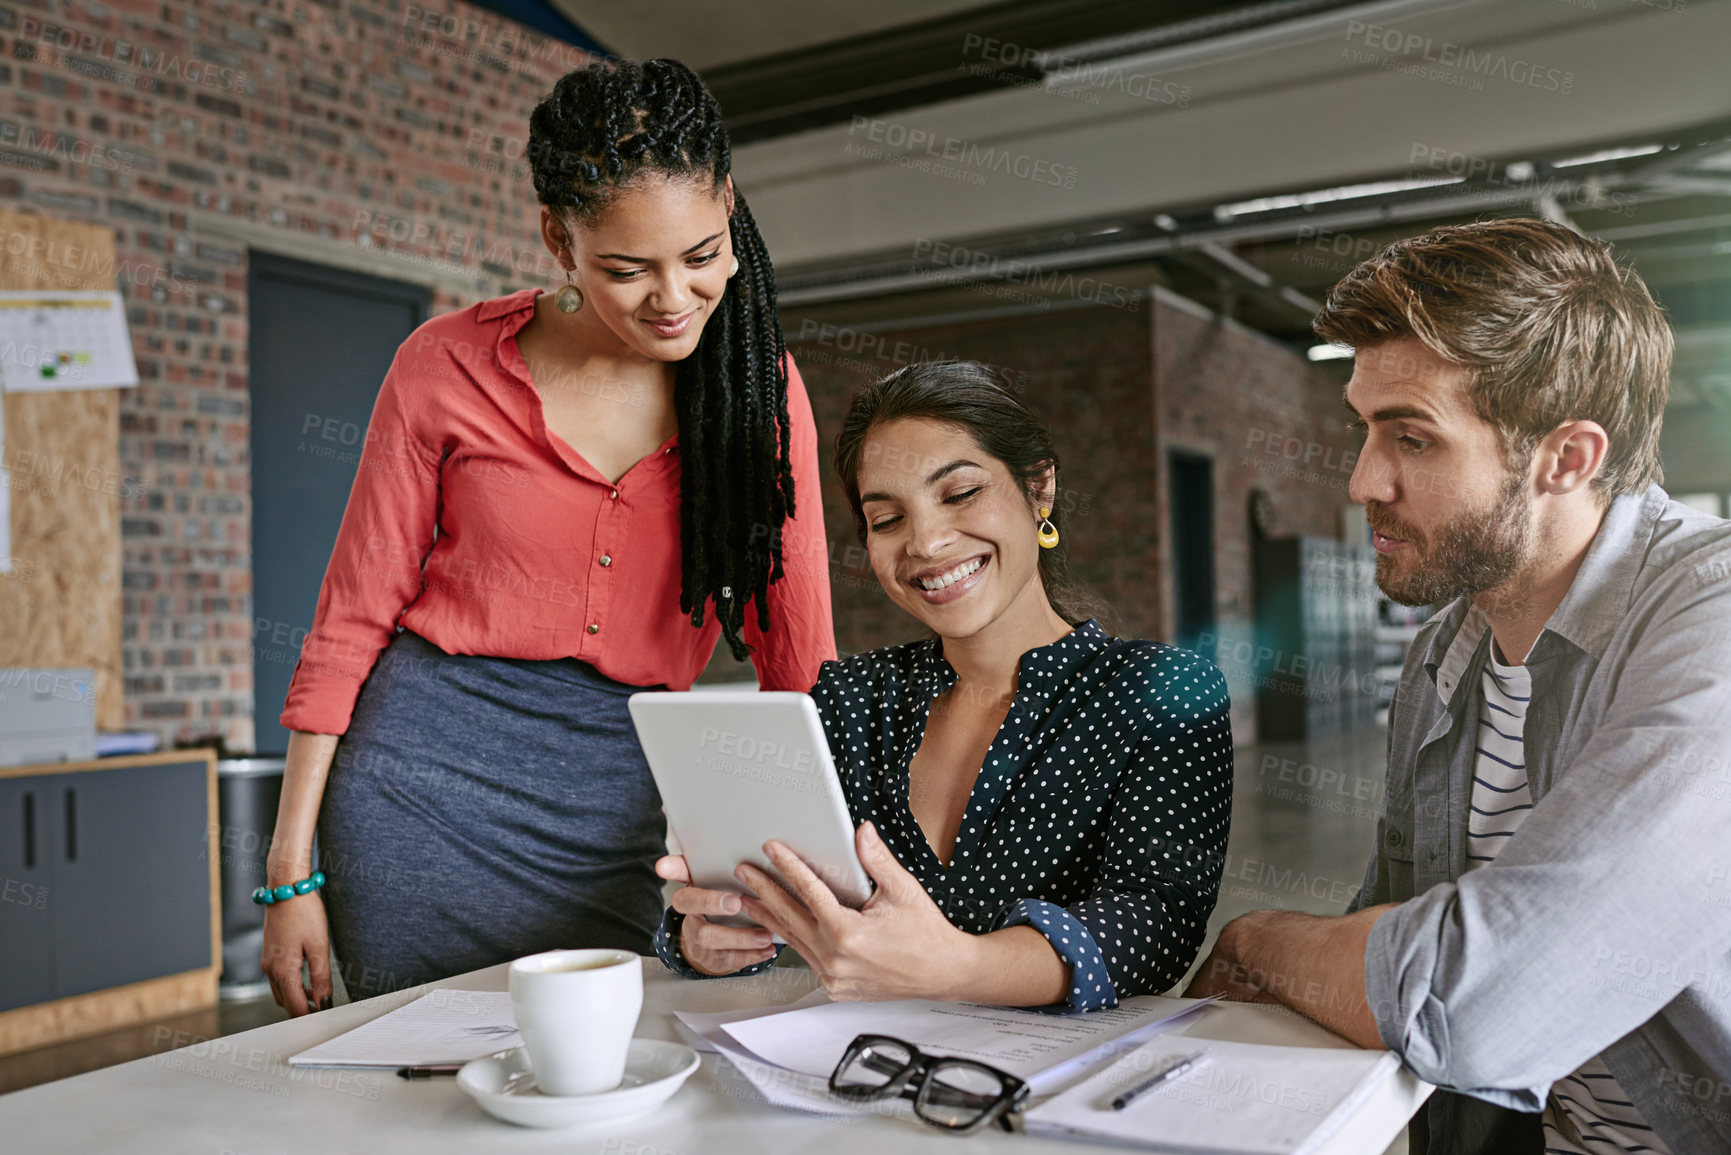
(474, 526)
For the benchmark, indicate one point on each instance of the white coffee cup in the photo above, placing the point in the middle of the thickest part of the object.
(577, 1010)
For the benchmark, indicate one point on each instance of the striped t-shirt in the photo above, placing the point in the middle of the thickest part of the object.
(1587, 1111)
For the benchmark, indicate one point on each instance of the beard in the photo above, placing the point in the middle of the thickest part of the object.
(1475, 551)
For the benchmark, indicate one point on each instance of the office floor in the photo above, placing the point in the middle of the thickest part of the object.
(1303, 820)
(1303, 817)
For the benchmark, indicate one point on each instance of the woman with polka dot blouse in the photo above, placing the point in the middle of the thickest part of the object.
(1042, 806)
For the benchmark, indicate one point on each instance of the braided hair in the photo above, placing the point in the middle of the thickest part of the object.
(599, 128)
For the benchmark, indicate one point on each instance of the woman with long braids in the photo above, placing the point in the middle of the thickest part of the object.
(562, 498)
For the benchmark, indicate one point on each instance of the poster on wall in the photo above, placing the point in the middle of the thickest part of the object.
(59, 339)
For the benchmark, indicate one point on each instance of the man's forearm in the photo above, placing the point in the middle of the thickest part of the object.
(1311, 963)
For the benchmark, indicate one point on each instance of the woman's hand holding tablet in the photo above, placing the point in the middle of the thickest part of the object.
(735, 770)
(899, 945)
(707, 946)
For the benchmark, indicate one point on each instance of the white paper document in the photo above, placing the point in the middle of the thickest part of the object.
(706, 1030)
(1241, 1098)
(792, 1090)
(1045, 1050)
(62, 339)
(442, 1028)
(778, 1086)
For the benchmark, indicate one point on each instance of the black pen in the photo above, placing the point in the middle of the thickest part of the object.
(1163, 1075)
(427, 1071)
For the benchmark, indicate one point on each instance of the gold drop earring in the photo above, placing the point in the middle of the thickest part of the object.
(1048, 531)
(570, 298)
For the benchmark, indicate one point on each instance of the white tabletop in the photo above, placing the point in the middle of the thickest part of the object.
(238, 1096)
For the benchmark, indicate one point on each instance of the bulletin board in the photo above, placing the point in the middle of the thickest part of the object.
(60, 605)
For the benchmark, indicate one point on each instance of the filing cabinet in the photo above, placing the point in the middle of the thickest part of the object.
(108, 881)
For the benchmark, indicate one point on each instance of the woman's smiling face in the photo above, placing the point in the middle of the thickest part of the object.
(653, 267)
(951, 535)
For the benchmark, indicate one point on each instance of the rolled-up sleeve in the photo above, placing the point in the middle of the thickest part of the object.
(1598, 912)
(1158, 876)
(667, 949)
(1091, 985)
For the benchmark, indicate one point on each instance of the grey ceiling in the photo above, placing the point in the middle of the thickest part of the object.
(706, 34)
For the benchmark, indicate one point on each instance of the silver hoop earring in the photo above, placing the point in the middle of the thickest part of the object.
(733, 270)
(570, 298)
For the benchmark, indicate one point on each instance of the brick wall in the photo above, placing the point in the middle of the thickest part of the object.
(1270, 421)
(367, 134)
(372, 135)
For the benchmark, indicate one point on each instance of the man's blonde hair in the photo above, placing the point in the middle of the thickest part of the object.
(1549, 327)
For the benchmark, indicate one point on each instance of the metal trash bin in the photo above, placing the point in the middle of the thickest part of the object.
(247, 791)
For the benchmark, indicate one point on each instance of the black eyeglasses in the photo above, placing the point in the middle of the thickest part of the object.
(958, 1095)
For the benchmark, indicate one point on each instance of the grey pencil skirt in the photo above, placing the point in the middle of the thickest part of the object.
(479, 809)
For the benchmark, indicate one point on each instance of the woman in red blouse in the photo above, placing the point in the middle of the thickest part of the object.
(562, 498)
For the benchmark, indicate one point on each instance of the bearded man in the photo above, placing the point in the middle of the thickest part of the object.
(1544, 930)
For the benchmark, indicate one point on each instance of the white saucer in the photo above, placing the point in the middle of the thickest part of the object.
(505, 1087)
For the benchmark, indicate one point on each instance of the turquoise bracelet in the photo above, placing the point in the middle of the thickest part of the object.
(265, 895)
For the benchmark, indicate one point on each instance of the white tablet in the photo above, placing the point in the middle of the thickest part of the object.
(737, 768)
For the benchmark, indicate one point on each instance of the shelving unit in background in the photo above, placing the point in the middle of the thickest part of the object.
(1315, 659)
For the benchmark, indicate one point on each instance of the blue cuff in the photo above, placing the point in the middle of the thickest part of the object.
(667, 950)
(1091, 987)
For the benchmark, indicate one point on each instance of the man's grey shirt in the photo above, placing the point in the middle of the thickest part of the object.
(1605, 923)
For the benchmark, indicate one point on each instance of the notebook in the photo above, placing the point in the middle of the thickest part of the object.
(1241, 1099)
(442, 1028)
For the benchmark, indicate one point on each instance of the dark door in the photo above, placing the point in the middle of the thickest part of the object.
(28, 898)
(1191, 484)
(321, 340)
(131, 889)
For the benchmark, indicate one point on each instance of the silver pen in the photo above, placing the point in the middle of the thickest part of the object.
(1165, 1074)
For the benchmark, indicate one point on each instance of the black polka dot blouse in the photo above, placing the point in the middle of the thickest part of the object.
(1099, 817)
